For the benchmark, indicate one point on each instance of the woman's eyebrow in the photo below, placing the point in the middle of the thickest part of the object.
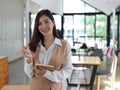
(44, 20)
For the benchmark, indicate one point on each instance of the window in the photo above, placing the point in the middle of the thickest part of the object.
(83, 24)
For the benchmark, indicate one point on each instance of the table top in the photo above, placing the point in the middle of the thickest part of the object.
(15, 87)
(80, 54)
(86, 60)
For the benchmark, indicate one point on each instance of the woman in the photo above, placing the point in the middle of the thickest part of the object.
(46, 48)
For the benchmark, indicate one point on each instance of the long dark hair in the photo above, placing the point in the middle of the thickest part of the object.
(37, 36)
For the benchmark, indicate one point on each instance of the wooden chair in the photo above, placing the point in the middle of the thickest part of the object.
(111, 73)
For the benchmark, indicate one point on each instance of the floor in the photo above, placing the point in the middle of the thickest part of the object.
(18, 77)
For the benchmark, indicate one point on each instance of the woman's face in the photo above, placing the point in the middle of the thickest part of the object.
(45, 26)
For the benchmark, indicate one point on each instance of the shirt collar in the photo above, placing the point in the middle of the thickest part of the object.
(57, 41)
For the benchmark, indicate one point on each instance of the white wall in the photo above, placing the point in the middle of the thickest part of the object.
(14, 22)
(11, 28)
(55, 6)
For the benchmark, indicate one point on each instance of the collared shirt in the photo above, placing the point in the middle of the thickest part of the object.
(45, 55)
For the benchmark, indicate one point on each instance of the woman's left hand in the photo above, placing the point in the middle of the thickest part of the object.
(40, 71)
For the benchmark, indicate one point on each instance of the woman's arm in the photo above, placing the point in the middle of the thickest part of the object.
(30, 57)
(28, 69)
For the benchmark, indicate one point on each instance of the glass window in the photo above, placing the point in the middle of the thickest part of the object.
(101, 30)
(68, 25)
(84, 24)
(32, 22)
(113, 29)
(90, 25)
(68, 28)
(118, 43)
(90, 30)
(57, 21)
(79, 28)
(101, 26)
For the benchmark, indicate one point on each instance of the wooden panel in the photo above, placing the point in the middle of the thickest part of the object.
(3, 71)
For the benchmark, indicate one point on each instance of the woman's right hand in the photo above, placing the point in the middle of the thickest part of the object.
(27, 53)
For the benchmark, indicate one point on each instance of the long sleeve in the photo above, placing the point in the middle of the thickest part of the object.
(64, 72)
(28, 69)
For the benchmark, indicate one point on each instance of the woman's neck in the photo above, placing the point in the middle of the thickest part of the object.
(48, 41)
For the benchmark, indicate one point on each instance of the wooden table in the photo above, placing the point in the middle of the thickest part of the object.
(87, 60)
(15, 87)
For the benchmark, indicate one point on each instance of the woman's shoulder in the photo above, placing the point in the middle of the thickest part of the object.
(66, 43)
(62, 41)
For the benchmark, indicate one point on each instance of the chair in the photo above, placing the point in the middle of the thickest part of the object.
(98, 52)
(77, 85)
(111, 73)
(73, 50)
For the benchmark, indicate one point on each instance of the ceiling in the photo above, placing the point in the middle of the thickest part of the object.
(106, 6)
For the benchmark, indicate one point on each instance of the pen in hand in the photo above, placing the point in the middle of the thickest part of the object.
(27, 53)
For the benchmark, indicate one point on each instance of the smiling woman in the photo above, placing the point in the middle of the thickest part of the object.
(47, 48)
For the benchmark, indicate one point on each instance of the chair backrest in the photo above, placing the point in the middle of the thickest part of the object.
(109, 51)
(104, 69)
(114, 65)
(111, 72)
(98, 52)
(73, 50)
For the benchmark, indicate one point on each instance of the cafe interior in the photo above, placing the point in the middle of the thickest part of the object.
(92, 28)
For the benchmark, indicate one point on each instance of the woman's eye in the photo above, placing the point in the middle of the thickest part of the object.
(47, 22)
(39, 23)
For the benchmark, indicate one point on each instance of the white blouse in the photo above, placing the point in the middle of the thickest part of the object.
(45, 55)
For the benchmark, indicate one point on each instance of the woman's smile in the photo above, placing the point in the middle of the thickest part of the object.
(45, 31)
